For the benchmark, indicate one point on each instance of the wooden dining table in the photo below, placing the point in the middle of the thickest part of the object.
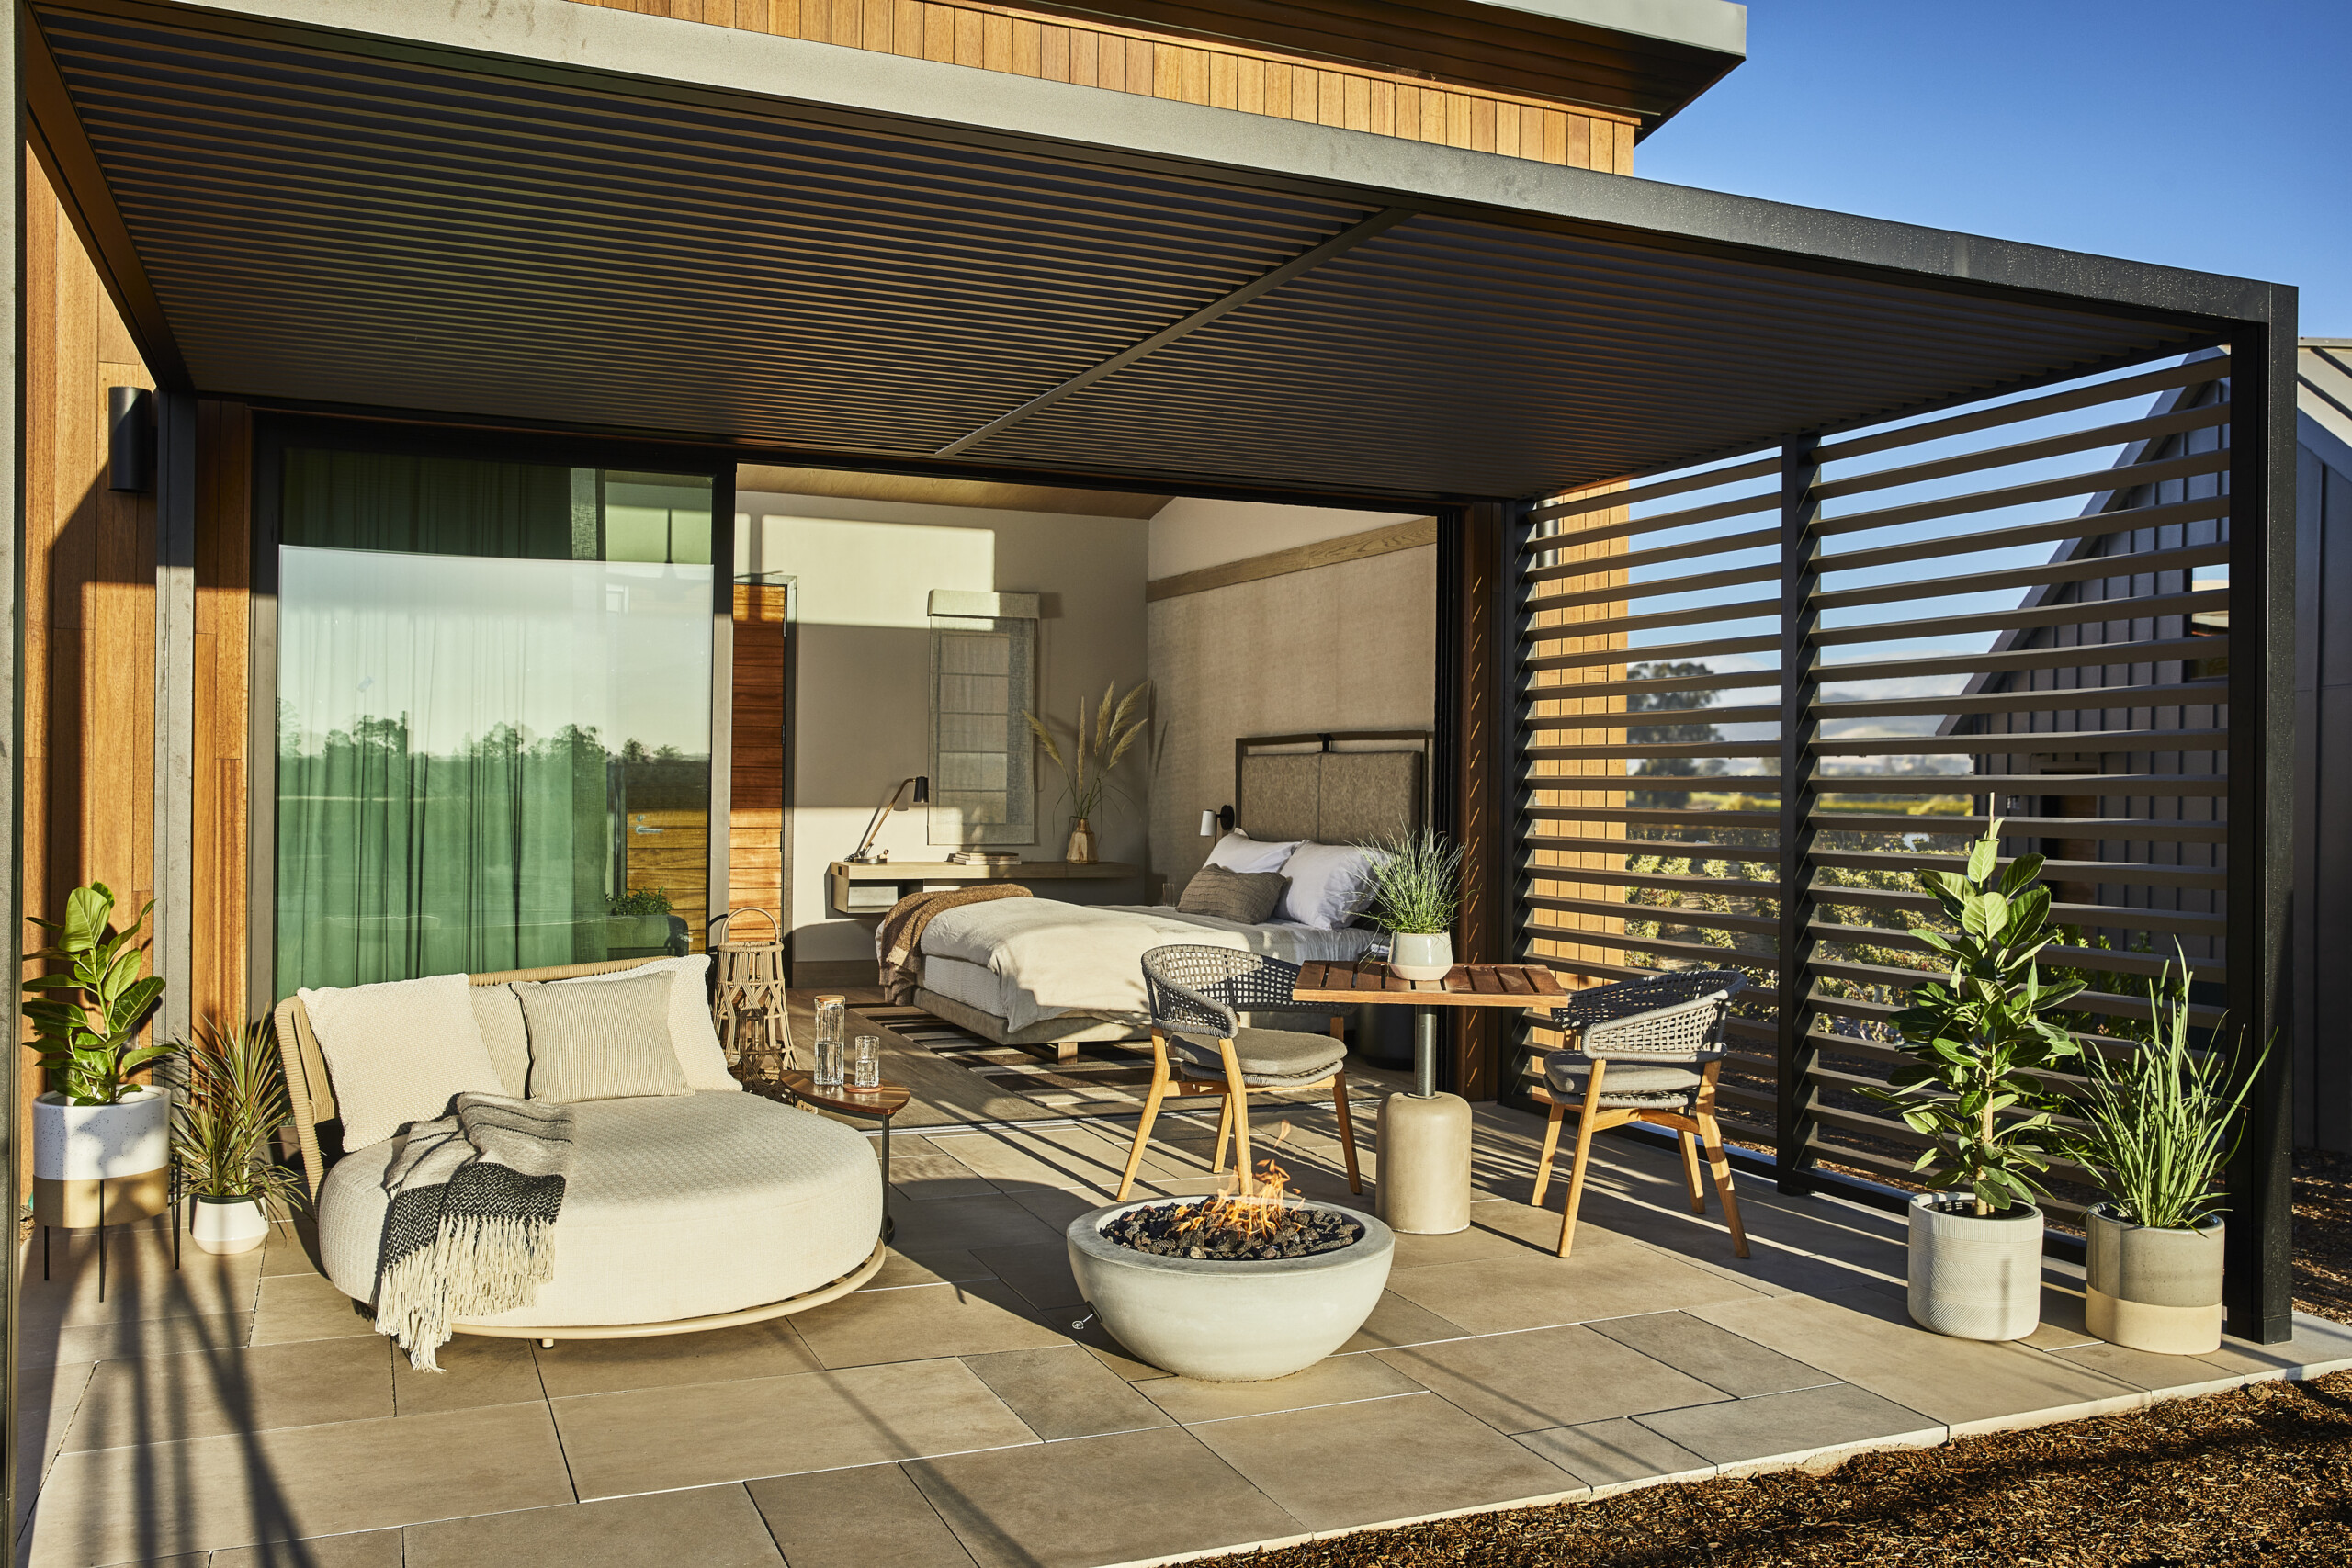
(1424, 1137)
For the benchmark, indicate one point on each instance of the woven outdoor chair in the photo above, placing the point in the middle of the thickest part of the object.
(1648, 1051)
(1199, 1045)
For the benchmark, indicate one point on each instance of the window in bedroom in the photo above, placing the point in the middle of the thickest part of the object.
(983, 678)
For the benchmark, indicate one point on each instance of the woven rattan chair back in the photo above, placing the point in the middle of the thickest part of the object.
(1195, 990)
(1686, 1032)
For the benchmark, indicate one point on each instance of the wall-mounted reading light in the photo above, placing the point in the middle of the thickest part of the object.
(894, 801)
(130, 438)
(1214, 821)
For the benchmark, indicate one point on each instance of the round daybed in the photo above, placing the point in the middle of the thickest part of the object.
(680, 1214)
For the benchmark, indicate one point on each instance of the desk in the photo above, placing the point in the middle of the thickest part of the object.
(1424, 1138)
(889, 881)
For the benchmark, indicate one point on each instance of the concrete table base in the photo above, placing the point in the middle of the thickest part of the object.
(1425, 1163)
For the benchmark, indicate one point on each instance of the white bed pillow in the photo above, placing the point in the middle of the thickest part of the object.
(1238, 851)
(692, 1034)
(398, 1052)
(1329, 885)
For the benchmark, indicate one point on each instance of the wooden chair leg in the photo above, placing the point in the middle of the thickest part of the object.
(1224, 1131)
(1551, 1147)
(1347, 1128)
(1143, 1132)
(1238, 1093)
(1691, 1169)
(1720, 1164)
(1585, 1119)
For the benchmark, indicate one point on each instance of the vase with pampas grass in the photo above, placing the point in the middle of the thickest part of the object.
(1088, 764)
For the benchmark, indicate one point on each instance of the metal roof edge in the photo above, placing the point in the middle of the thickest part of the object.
(1716, 26)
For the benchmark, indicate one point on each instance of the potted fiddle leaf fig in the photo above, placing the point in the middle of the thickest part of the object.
(1979, 1040)
(2159, 1125)
(1416, 893)
(101, 1141)
(233, 1101)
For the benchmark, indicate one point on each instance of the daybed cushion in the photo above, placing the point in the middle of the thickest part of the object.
(675, 1208)
(602, 1042)
(692, 1033)
(399, 1052)
(499, 1012)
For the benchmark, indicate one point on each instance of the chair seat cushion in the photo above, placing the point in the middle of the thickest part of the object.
(1626, 1085)
(1269, 1057)
(675, 1207)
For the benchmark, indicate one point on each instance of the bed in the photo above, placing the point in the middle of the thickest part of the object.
(1038, 972)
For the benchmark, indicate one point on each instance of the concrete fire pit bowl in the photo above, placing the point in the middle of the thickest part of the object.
(1222, 1320)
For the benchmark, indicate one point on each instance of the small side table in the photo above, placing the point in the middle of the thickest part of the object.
(1425, 1137)
(880, 1104)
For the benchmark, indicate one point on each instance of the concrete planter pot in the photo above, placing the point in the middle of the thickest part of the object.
(102, 1163)
(1419, 955)
(1971, 1278)
(1223, 1320)
(2154, 1290)
(227, 1224)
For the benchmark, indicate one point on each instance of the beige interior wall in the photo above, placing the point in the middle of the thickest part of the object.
(861, 717)
(1189, 534)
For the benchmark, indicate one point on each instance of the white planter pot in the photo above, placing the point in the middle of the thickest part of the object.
(1971, 1278)
(227, 1224)
(1413, 955)
(2154, 1290)
(93, 1160)
(1226, 1320)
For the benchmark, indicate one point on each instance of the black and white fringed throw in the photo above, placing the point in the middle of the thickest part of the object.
(469, 1231)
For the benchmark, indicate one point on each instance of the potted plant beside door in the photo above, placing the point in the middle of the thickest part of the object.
(101, 1141)
(1978, 1041)
(233, 1101)
(2160, 1124)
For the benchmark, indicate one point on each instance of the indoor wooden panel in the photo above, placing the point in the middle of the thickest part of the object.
(755, 837)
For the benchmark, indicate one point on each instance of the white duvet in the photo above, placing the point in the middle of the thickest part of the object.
(1052, 958)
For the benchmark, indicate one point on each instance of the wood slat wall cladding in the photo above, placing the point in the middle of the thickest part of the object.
(223, 711)
(994, 37)
(755, 837)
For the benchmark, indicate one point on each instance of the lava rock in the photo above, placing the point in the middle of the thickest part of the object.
(1300, 1230)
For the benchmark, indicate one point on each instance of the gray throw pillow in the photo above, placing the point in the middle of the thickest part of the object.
(609, 1041)
(1247, 897)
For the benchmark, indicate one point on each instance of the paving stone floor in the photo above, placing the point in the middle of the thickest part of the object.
(241, 1413)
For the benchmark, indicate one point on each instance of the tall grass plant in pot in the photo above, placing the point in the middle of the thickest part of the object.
(2159, 1126)
(1979, 1040)
(1416, 893)
(232, 1103)
(1087, 766)
(101, 1139)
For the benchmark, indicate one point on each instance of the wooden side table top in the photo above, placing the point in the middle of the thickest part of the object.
(1466, 985)
(884, 1102)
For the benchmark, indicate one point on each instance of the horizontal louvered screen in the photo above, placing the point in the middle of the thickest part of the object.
(2016, 611)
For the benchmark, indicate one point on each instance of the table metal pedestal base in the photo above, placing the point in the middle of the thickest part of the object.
(1425, 1147)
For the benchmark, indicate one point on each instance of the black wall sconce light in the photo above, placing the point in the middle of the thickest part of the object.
(130, 438)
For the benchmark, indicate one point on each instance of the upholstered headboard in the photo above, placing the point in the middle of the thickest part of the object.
(1339, 788)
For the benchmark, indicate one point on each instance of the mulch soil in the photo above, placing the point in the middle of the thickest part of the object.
(2261, 1474)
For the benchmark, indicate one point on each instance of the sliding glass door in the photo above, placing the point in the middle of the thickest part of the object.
(494, 716)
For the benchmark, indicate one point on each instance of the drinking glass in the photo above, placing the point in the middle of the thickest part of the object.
(865, 1062)
(832, 1020)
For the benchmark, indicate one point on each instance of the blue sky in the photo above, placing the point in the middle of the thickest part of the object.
(2214, 135)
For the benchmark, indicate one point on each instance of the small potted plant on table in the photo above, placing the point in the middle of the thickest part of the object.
(1978, 1041)
(1416, 892)
(2161, 1123)
(232, 1100)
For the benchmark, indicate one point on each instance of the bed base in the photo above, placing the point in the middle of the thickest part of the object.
(833, 1291)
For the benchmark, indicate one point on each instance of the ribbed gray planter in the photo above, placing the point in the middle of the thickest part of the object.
(1971, 1278)
(2154, 1290)
(1225, 1320)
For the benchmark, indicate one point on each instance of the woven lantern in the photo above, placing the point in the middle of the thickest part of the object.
(748, 1000)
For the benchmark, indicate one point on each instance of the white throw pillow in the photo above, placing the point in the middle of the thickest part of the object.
(399, 1052)
(1238, 851)
(692, 1033)
(1329, 885)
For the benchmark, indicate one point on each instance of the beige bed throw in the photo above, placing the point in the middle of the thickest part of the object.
(898, 940)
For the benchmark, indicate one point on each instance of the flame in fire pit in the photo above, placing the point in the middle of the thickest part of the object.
(1252, 1207)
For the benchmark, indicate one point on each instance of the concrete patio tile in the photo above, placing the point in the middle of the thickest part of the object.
(166, 1398)
(717, 1525)
(1868, 1339)
(1041, 1273)
(1395, 1321)
(291, 1248)
(1067, 1393)
(1093, 1500)
(1497, 1295)
(1616, 1456)
(1392, 1458)
(2318, 1347)
(1051, 1157)
(47, 1400)
(967, 1224)
(369, 1548)
(475, 1370)
(1548, 1377)
(146, 1336)
(939, 1267)
(2062, 1325)
(924, 1320)
(1739, 1366)
(1054, 1207)
(1099, 1343)
(295, 1482)
(1822, 1426)
(1486, 1237)
(770, 1349)
(306, 1306)
(925, 1177)
(1334, 1379)
(141, 1281)
(857, 1519)
(701, 1434)
(2169, 1377)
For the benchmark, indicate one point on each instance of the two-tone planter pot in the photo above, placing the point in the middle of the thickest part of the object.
(102, 1163)
(227, 1224)
(1419, 955)
(2154, 1290)
(1229, 1320)
(1974, 1277)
